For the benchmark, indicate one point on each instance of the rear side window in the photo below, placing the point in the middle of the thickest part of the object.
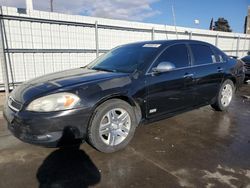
(176, 54)
(220, 56)
(202, 54)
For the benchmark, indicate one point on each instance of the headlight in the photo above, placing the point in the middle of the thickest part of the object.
(54, 102)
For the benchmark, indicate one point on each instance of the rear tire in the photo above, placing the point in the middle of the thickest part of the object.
(225, 96)
(112, 126)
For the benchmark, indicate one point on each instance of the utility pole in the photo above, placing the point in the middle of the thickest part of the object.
(29, 5)
(173, 12)
(51, 5)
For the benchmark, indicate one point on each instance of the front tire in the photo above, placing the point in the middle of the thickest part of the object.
(112, 126)
(225, 96)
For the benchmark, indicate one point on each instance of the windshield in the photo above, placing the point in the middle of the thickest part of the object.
(125, 59)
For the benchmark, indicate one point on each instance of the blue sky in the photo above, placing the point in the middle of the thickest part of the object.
(187, 11)
(153, 11)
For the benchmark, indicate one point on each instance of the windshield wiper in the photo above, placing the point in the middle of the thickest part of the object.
(103, 69)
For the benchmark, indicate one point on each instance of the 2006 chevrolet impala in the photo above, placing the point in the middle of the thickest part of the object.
(104, 102)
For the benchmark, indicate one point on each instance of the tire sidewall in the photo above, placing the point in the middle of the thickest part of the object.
(93, 130)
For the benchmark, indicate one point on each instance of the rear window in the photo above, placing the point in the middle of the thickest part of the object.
(202, 54)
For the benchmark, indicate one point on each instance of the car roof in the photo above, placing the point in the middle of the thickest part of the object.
(166, 42)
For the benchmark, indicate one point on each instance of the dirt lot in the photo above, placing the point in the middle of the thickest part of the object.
(202, 148)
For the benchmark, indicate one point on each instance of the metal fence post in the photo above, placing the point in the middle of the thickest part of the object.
(96, 39)
(190, 35)
(238, 46)
(4, 61)
(248, 46)
(217, 40)
(153, 33)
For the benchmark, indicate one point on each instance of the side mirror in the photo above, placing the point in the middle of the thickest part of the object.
(164, 67)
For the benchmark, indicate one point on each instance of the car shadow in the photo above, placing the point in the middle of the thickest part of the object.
(68, 167)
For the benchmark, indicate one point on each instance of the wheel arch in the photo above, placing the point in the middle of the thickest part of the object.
(232, 78)
(129, 100)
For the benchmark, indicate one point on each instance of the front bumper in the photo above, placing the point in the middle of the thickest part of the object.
(49, 128)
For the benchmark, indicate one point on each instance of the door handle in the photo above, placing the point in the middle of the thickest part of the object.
(219, 69)
(188, 75)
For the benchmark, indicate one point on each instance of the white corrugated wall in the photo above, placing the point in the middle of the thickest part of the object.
(61, 39)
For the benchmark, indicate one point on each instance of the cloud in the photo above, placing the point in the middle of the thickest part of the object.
(118, 9)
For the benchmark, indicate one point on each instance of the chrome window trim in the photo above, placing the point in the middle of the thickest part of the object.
(191, 63)
(193, 66)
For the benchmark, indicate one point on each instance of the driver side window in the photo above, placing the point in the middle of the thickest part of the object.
(176, 54)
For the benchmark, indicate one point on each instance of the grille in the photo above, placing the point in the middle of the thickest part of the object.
(14, 105)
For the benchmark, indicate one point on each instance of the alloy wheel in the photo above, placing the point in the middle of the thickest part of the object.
(115, 126)
(226, 95)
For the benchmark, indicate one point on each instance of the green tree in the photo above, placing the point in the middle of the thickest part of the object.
(222, 25)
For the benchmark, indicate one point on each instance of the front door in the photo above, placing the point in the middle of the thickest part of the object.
(173, 90)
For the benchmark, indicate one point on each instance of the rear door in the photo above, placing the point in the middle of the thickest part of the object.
(173, 90)
(208, 72)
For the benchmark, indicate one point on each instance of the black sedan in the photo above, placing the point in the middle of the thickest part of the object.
(104, 102)
(246, 60)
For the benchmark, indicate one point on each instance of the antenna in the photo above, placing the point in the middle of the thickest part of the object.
(173, 12)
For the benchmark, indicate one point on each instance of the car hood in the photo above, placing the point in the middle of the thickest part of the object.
(50, 82)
